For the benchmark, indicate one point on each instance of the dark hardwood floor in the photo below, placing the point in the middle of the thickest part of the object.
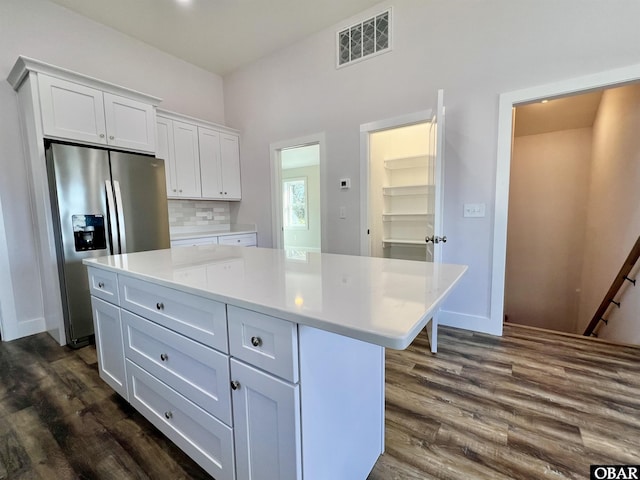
(530, 404)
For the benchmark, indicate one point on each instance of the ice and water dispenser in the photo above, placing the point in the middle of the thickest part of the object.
(89, 232)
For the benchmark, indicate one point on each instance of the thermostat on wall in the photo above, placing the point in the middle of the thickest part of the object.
(345, 183)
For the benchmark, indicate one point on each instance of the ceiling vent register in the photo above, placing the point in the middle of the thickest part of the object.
(365, 39)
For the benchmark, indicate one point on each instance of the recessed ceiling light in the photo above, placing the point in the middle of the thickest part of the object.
(545, 101)
(184, 2)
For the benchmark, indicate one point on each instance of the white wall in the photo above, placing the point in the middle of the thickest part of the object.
(309, 237)
(548, 194)
(43, 30)
(475, 51)
(613, 224)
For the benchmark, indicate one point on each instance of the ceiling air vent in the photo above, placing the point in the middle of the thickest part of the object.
(364, 39)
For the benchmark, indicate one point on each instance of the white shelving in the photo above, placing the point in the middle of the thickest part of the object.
(408, 195)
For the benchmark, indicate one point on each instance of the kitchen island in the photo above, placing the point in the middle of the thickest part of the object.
(261, 363)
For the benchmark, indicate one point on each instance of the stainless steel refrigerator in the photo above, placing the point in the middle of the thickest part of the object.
(103, 202)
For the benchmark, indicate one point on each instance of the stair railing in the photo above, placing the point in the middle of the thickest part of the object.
(609, 298)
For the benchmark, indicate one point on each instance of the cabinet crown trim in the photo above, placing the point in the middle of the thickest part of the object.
(195, 121)
(25, 65)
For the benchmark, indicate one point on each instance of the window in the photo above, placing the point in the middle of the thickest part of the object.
(363, 39)
(294, 203)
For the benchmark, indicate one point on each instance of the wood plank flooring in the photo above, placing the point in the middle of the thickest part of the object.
(530, 404)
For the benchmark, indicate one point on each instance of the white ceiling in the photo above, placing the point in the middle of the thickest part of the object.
(300, 156)
(577, 111)
(218, 35)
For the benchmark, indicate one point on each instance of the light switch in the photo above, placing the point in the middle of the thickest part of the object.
(345, 183)
(474, 209)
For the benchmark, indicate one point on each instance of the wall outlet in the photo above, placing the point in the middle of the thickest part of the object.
(474, 209)
(343, 212)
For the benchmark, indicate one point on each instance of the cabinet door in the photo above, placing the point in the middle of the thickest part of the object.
(109, 345)
(165, 150)
(210, 168)
(130, 124)
(230, 165)
(266, 416)
(71, 111)
(185, 141)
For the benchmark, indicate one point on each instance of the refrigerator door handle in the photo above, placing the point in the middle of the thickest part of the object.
(111, 214)
(121, 229)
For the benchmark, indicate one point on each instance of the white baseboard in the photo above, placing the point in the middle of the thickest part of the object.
(475, 323)
(26, 328)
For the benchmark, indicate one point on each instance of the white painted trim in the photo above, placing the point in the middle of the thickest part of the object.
(367, 129)
(476, 323)
(276, 185)
(24, 65)
(609, 78)
(195, 121)
(8, 315)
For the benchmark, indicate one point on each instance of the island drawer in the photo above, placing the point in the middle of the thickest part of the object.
(266, 342)
(198, 318)
(241, 240)
(198, 372)
(104, 285)
(205, 439)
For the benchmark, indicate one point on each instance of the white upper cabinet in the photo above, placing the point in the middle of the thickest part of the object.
(165, 150)
(210, 169)
(130, 124)
(230, 170)
(70, 110)
(187, 159)
(73, 111)
(202, 160)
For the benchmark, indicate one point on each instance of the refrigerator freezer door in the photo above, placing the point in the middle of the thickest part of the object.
(141, 196)
(77, 177)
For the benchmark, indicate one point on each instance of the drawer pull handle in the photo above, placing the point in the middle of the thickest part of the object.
(235, 385)
(256, 341)
(168, 415)
(164, 357)
(100, 285)
(160, 306)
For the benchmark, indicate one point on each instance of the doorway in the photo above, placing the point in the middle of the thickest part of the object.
(296, 199)
(401, 178)
(597, 233)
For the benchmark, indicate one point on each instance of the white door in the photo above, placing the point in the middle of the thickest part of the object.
(109, 344)
(230, 166)
(210, 168)
(435, 236)
(266, 418)
(165, 151)
(187, 157)
(130, 124)
(71, 111)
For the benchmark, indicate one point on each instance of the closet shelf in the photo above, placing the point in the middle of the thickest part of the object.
(420, 161)
(418, 189)
(404, 241)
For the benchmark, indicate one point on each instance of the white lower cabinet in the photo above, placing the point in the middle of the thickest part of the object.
(266, 416)
(109, 345)
(246, 395)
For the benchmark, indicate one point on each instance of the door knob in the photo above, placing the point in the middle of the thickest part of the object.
(235, 385)
(435, 239)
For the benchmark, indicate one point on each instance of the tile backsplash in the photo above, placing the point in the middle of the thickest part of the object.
(186, 213)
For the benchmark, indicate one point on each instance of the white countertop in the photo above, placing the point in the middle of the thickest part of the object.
(201, 231)
(382, 301)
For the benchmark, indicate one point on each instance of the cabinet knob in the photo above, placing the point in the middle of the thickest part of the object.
(102, 135)
(220, 193)
(235, 385)
(168, 415)
(180, 190)
(164, 357)
(160, 306)
(256, 341)
(174, 189)
(225, 193)
(100, 285)
(111, 137)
